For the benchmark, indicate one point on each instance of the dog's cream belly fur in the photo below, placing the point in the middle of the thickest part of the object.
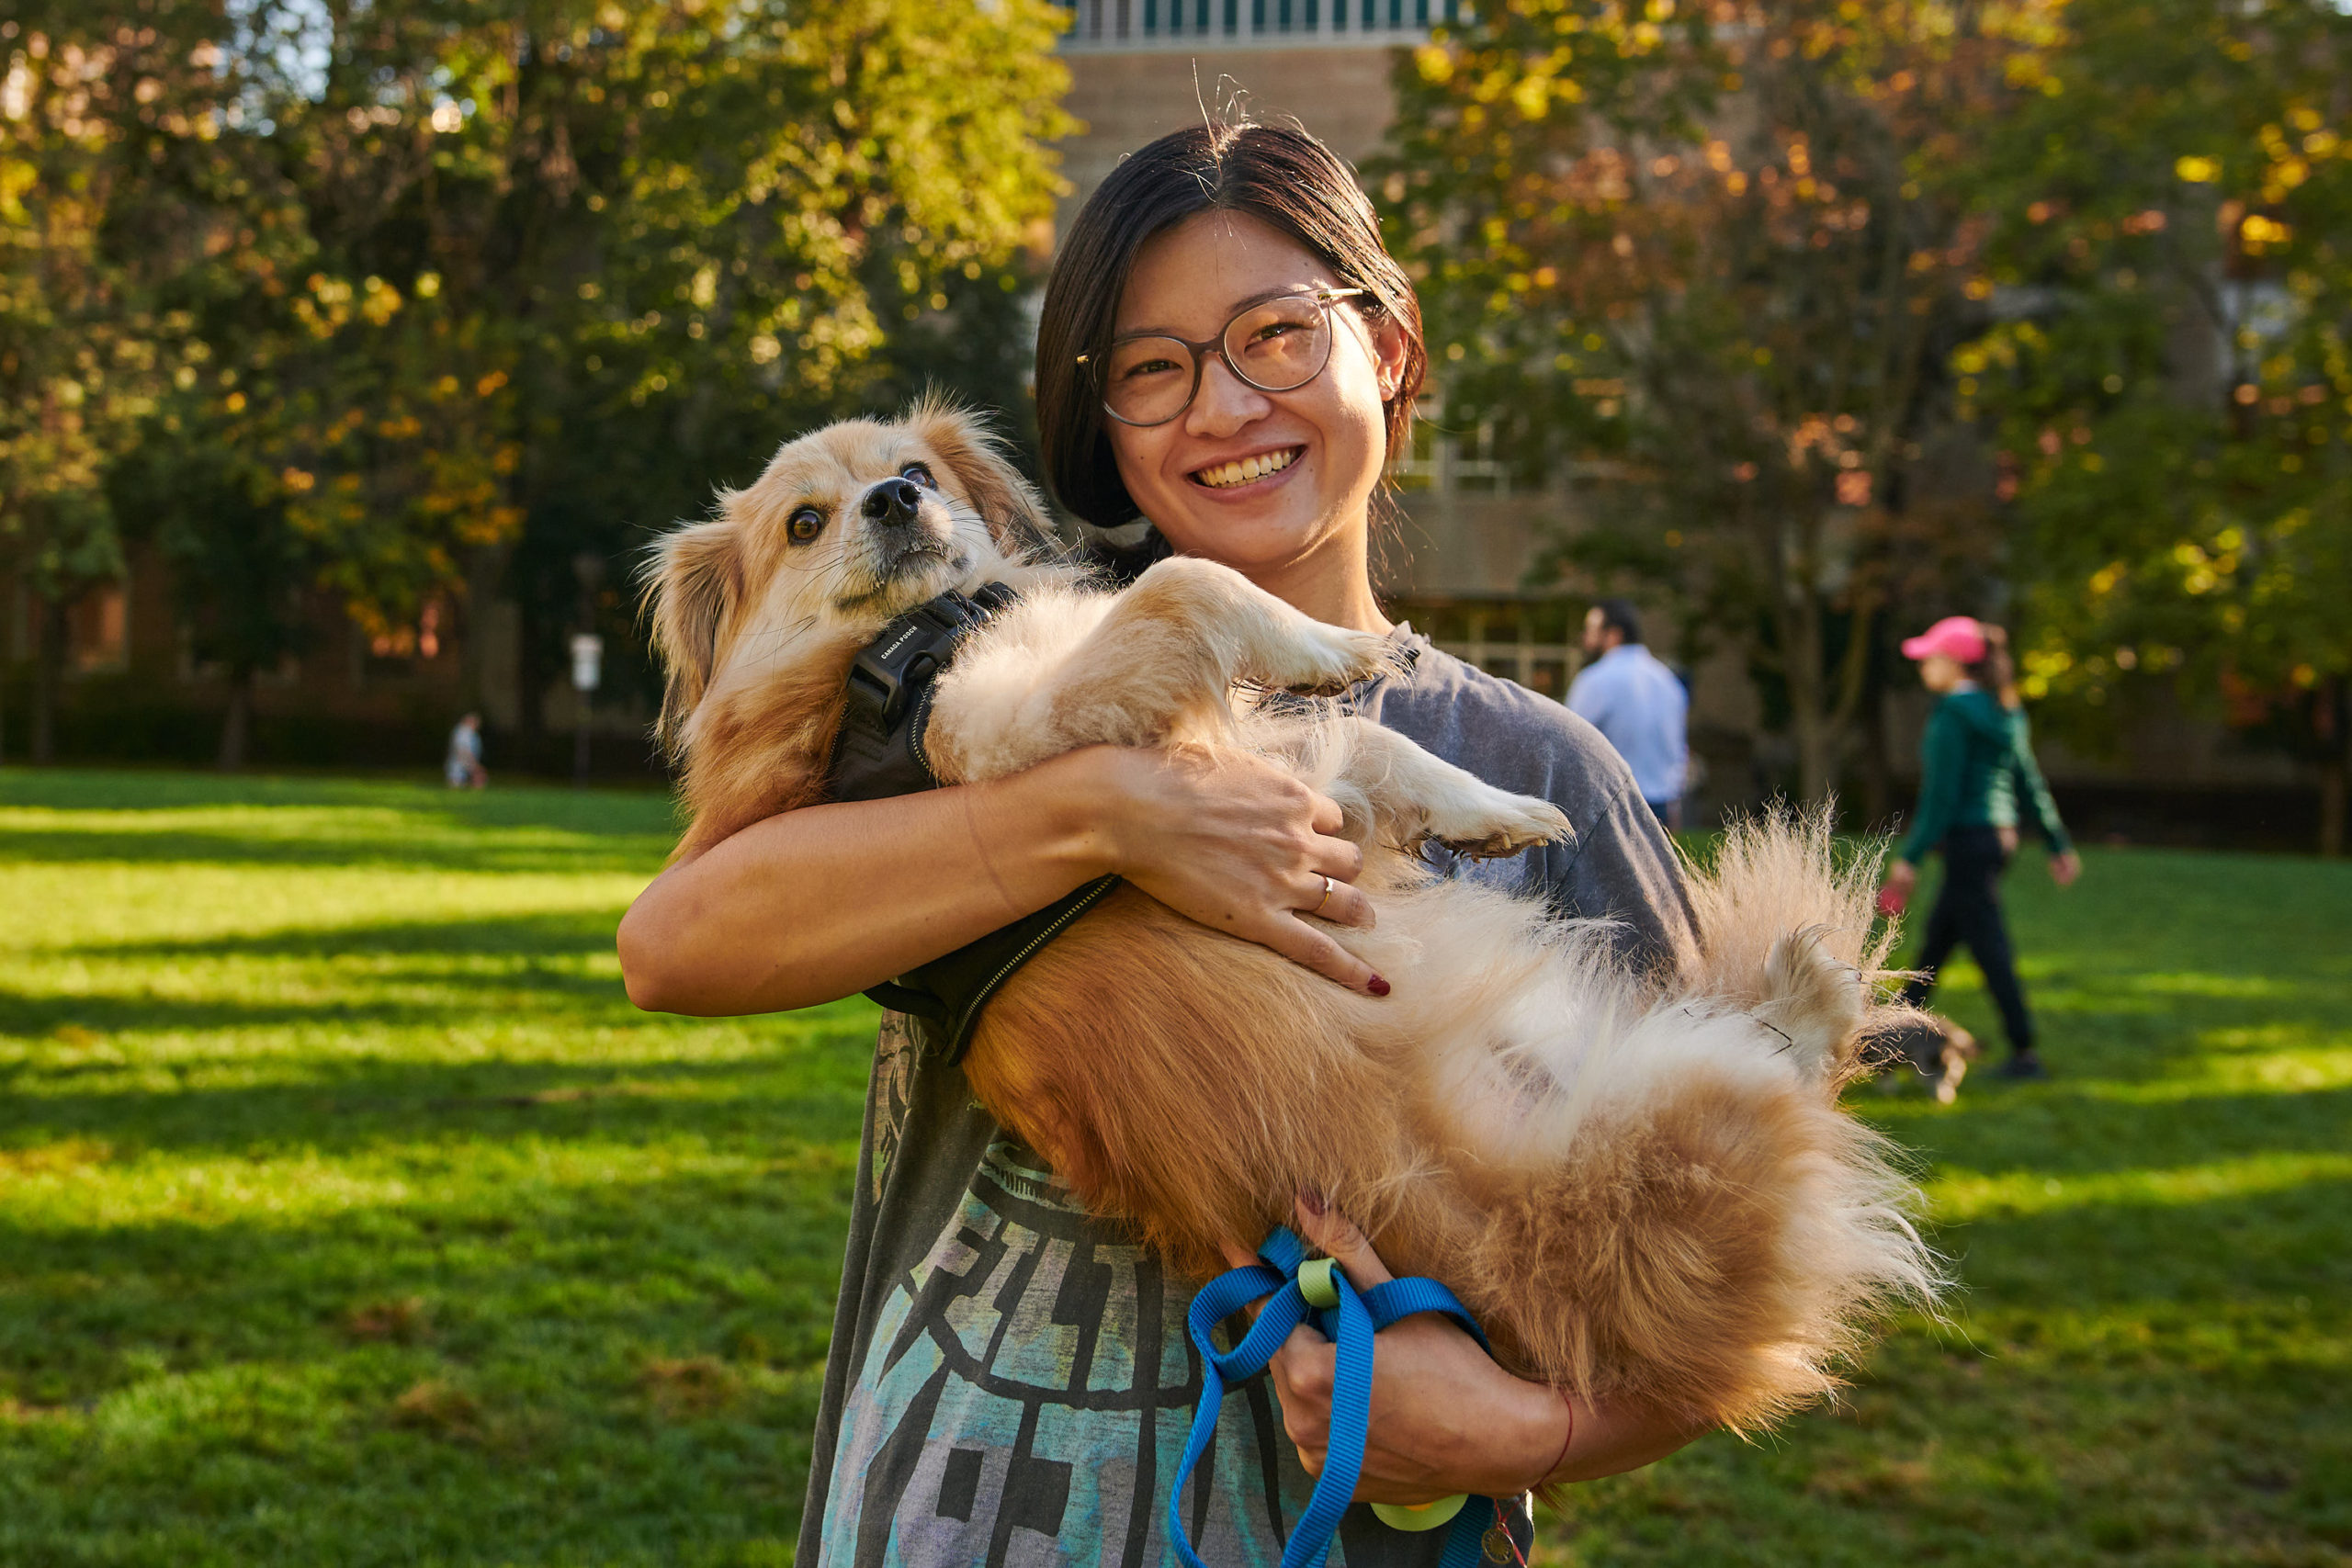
(1638, 1197)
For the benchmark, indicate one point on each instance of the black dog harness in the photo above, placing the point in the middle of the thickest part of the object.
(880, 754)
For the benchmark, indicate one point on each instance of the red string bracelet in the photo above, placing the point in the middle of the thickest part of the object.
(1566, 1443)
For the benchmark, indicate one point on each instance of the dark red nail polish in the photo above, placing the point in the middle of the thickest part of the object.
(1314, 1202)
(1376, 986)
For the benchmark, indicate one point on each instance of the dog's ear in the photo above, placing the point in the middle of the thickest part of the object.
(693, 576)
(1008, 503)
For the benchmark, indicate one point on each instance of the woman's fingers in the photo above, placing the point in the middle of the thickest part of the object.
(1312, 948)
(1347, 907)
(1337, 1235)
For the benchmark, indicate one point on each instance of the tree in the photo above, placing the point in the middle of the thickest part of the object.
(580, 263)
(1726, 249)
(427, 297)
(102, 120)
(2172, 387)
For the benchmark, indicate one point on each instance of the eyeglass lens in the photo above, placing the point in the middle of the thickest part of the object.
(1276, 347)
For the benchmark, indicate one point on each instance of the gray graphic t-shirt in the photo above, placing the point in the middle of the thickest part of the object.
(1009, 1380)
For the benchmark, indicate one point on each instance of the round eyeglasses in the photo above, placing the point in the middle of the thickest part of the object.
(1275, 345)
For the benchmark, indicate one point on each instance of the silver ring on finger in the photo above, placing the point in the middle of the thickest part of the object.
(1327, 886)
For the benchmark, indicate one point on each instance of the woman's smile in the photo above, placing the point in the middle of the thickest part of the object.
(1257, 472)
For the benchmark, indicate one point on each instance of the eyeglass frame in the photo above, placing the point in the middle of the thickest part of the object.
(1326, 297)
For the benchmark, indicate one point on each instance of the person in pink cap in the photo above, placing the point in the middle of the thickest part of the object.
(1977, 775)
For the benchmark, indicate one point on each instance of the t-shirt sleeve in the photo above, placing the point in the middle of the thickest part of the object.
(1622, 867)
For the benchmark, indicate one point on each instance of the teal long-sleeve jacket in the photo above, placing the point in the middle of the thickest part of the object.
(1976, 769)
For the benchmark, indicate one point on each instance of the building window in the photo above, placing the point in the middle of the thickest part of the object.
(1465, 461)
(1532, 642)
(1185, 24)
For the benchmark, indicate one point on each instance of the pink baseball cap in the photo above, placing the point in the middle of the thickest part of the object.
(1955, 636)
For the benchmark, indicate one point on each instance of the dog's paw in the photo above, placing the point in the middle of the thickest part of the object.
(1499, 824)
(1327, 661)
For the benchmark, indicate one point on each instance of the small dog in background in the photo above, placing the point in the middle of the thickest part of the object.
(1643, 1187)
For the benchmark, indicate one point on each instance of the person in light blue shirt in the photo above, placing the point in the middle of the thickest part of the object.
(1638, 702)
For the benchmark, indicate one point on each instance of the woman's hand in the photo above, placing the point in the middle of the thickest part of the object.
(1238, 844)
(1445, 1419)
(1895, 892)
(2064, 868)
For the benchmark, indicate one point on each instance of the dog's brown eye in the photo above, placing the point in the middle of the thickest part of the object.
(806, 524)
(921, 474)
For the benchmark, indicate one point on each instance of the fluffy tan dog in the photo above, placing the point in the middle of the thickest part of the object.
(1642, 1186)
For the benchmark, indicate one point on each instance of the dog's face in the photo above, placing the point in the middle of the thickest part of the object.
(849, 527)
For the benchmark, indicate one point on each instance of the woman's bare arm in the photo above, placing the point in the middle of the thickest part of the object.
(824, 901)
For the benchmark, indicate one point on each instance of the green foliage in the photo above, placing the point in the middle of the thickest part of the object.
(1718, 253)
(349, 1213)
(2173, 216)
(106, 152)
(581, 258)
(458, 292)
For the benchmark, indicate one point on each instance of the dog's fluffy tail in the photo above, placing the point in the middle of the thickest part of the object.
(1788, 932)
(1699, 1224)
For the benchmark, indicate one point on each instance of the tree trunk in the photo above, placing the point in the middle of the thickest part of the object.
(48, 668)
(2331, 808)
(1878, 770)
(530, 687)
(236, 725)
(1809, 717)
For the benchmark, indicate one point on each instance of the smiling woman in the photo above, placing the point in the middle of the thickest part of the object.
(1226, 354)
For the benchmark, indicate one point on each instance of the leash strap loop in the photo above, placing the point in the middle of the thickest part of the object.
(1350, 1324)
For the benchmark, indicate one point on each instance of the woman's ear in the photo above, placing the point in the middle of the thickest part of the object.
(693, 576)
(1008, 503)
(1388, 355)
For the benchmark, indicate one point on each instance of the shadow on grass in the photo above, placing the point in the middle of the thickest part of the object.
(587, 997)
(349, 849)
(812, 1083)
(130, 789)
(487, 1380)
(545, 934)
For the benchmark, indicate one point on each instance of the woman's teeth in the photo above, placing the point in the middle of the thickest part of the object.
(1226, 475)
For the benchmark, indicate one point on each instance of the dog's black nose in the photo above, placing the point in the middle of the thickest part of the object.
(892, 502)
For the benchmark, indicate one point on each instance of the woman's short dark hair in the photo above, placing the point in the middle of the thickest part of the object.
(1282, 176)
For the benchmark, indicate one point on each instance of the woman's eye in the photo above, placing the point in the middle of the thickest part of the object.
(806, 524)
(1146, 367)
(921, 474)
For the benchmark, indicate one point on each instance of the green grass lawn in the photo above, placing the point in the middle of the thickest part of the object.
(349, 1213)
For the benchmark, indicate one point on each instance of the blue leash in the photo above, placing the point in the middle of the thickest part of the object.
(1350, 1319)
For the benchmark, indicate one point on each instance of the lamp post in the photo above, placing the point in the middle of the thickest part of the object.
(587, 667)
(587, 657)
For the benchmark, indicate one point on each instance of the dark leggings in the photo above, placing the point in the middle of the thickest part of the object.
(1968, 911)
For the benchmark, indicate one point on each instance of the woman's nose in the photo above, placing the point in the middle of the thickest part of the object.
(1225, 402)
